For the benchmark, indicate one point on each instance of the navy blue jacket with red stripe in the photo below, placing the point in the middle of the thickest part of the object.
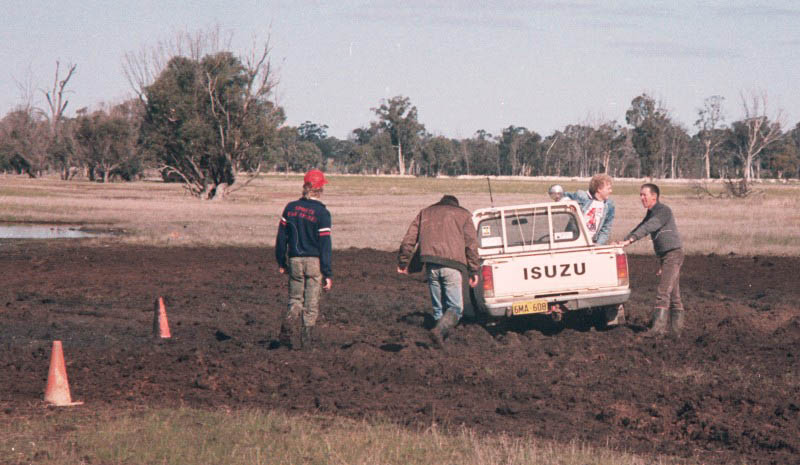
(305, 231)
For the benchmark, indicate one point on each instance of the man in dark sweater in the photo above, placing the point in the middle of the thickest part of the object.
(304, 238)
(660, 224)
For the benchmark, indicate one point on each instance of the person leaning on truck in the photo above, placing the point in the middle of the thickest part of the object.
(304, 235)
(659, 222)
(597, 207)
(448, 246)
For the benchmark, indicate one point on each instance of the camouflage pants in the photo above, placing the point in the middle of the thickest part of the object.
(305, 284)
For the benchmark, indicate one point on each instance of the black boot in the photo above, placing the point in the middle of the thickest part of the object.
(658, 322)
(676, 317)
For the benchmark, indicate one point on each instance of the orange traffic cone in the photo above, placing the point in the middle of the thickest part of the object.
(57, 391)
(160, 325)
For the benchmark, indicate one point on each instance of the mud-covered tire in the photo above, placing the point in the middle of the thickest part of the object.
(607, 317)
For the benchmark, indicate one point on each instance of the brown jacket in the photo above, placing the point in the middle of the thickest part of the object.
(446, 236)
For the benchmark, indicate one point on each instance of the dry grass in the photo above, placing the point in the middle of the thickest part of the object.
(187, 436)
(375, 211)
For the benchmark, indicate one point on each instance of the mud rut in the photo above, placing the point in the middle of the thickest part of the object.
(728, 390)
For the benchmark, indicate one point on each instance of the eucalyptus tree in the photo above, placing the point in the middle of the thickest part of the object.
(530, 151)
(578, 149)
(648, 120)
(518, 150)
(60, 150)
(782, 159)
(398, 117)
(710, 129)
(107, 143)
(24, 141)
(207, 120)
(438, 156)
(312, 132)
(755, 132)
(294, 153)
(509, 141)
(606, 142)
(482, 153)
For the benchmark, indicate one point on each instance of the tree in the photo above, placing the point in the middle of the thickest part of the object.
(399, 118)
(659, 142)
(606, 142)
(24, 140)
(783, 158)
(60, 150)
(437, 155)
(578, 142)
(710, 133)
(758, 131)
(207, 120)
(481, 154)
(143, 67)
(108, 143)
(312, 132)
(529, 152)
(510, 140)
(295, 153)
(647, 120)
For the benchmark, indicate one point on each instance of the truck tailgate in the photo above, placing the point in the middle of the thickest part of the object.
(551, 273)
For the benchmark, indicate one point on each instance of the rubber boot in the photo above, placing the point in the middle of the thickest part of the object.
(448, 321)
(676, 317)
(287, 334)
(307, 337)
(658, 322)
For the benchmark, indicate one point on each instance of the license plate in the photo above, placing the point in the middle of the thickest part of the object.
(529, 306)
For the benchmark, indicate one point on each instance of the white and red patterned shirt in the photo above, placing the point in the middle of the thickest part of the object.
(594, 215)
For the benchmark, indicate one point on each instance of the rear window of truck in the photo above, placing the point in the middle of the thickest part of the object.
(528, 228)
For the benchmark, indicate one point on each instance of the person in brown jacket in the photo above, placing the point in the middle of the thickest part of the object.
(448, 246)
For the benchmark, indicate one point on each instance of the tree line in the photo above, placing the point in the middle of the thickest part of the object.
(208, 118)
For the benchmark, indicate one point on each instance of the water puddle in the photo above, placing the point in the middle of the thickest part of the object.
(43, 231)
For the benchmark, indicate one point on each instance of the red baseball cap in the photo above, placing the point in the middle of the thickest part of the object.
(316, 178)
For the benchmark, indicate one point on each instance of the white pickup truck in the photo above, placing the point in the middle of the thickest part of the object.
(539, 259)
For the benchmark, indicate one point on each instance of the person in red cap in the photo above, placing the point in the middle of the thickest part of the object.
(303, 249)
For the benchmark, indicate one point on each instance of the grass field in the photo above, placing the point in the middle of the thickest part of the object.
(375, 211)
(190, 436)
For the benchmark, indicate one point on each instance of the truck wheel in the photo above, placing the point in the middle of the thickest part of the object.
(609, 316)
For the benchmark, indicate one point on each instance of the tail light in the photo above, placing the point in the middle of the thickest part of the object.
(488, 281)
(622, 269)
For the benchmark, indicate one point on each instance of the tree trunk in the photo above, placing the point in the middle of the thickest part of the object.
(401, 165)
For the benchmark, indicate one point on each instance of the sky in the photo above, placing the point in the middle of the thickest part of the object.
(465, 65)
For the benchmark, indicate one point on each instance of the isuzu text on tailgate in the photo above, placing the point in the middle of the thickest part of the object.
(539, 258)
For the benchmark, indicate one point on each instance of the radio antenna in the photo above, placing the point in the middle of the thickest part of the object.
(489, 182)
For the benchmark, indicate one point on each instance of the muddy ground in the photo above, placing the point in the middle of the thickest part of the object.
(728, 391)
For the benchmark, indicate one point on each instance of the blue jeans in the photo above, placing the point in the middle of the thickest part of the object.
(445, 286)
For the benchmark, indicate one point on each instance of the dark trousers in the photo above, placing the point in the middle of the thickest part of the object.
(668, 293)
